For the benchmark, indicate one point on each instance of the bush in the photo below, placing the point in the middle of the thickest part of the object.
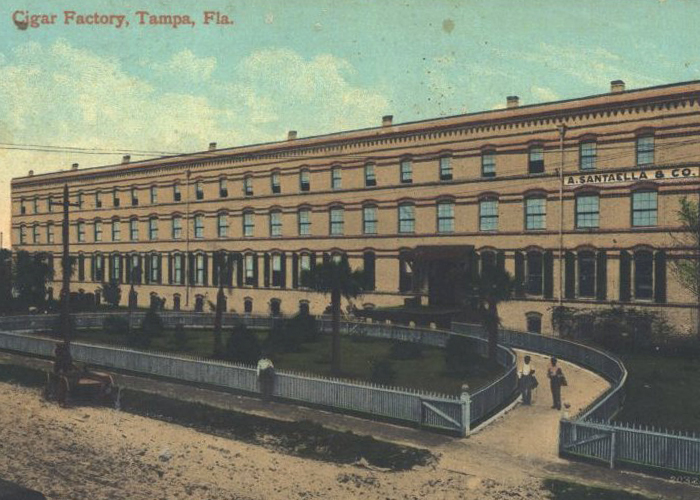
(243, 346)
(618, 329)
(112, 293)
(303, 328)
(180, 339)
(151, 326)
(405, 350)
(382, 372)
(461, 354)
(289, 335)
(116, 325)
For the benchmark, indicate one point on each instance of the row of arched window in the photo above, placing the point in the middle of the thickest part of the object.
(644, 213)
(587, 161)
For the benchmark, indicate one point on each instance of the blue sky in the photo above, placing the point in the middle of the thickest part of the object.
(313, 66)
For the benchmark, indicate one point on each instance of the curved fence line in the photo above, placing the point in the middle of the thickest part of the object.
(428, 409)
(592, 434)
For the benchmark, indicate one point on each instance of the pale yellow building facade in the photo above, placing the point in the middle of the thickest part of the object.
(487, 180)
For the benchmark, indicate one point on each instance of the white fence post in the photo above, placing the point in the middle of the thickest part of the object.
(466, 410)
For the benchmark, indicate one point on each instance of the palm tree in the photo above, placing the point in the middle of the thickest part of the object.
(223, 271)
(337, 279)
(485, 289)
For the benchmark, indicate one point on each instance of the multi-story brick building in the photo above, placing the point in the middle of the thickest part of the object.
(404, 202)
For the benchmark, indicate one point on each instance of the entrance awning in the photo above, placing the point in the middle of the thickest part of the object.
(441, 252)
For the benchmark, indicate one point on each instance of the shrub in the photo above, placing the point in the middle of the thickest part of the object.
(243, 346)
(151, 326)
(115, 325)
(303, 328)
(405, 350)
(460, 354)
(618, 329)
(112, 293)
(382, 372)
(180, 339)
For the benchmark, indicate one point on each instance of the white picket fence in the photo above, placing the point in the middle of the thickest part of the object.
(426, 409)
(593, 434)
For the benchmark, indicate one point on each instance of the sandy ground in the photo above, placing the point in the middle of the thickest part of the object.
(97, 453)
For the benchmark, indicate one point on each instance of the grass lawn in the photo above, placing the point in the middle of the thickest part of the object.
(662, 391)
(427, 373)
(564, 490)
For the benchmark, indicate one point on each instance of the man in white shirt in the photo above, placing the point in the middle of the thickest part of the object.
(526, 381)
(266, 377)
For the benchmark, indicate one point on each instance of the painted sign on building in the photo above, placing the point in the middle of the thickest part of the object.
(658, 174)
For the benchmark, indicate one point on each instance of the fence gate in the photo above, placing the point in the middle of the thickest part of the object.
(447, 415)
(596, 442)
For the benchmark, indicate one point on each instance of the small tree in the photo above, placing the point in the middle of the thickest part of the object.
(337, 279)
(112, 293)
(151, 326)
(31, 273)
(687, 269)
(5, 280)
(243, 346)
(486, 288)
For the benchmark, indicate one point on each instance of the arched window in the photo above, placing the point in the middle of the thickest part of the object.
(154, 195)
(115, 268)
(535, 164)
(116, 229)
(80, 228)
(134, 229)
(177, 194)
(248, 185)
(199, 226)
(199, 190)
(200, 269)
(370, 175)
(98, 230)
(535, 212)
(275, 223)
(369, 219)
(176, 227)
(337, 221)
(248, 305)
(644, 208)
(336, 177)
(153, 228)
(587, 210)
(35, 233)
(275, 306)
(643, 275)
(488, 214)
(49, 233)
(587, 155)
(406, 171)
(222, 224)
(304, 221)
(176, 302)
(534, 322)
(275, 184)
(304, 180)
(645, 149)
(586, 274)
(535, 274)
(22, 234)
(248, 223)
(446, 216)
(407, 218)
(369, 259)
(223, 187)
(445, 164)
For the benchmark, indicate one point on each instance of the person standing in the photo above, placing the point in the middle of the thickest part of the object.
(556, 381)
(266, 377)
(526, 381)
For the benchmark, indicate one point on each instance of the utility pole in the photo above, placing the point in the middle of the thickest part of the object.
(562, 133)
(65, 262)
(187, 239)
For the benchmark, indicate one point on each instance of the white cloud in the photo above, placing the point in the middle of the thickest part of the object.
(61, 95)
(594, 66)
(186, 64)
(543, 94)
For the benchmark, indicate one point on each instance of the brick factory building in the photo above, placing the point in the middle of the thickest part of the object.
(406, 202)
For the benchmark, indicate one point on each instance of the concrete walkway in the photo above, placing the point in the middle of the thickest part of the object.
(521, 444)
